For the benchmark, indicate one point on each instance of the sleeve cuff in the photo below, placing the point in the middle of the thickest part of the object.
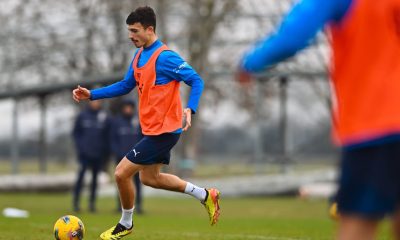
(193, 111)
(93, 95)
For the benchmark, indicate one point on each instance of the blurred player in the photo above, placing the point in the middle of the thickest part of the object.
(157, 72)
(365, 72)
(124, 134)
(90, 135)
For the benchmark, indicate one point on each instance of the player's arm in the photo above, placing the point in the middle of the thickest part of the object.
(176, 68)
(297, 30)
(114, 90)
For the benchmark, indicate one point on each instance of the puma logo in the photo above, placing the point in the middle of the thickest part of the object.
(136, 153)
(140, 87)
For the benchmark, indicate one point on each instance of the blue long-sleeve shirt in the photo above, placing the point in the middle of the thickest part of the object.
(169, 67)
(297, 30)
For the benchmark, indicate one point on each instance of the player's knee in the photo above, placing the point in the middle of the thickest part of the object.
(119, 175)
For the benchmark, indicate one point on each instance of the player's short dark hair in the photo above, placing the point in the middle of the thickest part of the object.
(143, 15)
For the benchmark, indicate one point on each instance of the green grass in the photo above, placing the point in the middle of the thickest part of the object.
(178, 219)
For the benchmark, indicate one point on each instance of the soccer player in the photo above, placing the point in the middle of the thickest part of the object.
(365, 74)
(157, 72)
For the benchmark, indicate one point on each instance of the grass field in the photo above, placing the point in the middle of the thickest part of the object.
(178, 219)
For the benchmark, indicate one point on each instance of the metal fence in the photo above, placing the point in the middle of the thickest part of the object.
(279, 122)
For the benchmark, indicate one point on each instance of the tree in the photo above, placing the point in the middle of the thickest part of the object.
(204, 19)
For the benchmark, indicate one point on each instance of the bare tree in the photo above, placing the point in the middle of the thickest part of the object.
(205, 17)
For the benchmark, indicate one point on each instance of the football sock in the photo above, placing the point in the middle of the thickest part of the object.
(126, 218)
(195, 191)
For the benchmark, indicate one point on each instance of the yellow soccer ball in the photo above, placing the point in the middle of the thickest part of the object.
(69, 228)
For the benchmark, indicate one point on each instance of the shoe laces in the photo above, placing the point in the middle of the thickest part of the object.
(119, 228)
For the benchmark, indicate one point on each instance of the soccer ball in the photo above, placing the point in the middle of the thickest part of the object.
(69, 228)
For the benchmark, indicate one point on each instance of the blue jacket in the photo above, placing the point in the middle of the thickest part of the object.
(90, 133)
(124, 134)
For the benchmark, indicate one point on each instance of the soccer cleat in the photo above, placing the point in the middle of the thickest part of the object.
(333, 211)
(211, 203)
(117, 232)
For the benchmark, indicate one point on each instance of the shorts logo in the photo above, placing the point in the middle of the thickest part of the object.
(136, 153)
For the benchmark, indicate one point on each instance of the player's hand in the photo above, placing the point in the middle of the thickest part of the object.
(187, 115)
(80, 93)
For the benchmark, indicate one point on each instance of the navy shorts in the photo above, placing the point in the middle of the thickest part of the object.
(369, 185)
(153, 149)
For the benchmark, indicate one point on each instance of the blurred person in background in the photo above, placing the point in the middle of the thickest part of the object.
(157, 72)
(90, 135)
(365, 74)
(125, 132)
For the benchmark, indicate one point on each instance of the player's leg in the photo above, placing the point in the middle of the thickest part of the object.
(368, 188)
(151, 176)
(353, 186)
(145, 152)
(123, 176)
(396, 225)
(356, 228)
(153, 152)
(130, 165)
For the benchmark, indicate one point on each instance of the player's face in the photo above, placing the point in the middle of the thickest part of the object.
(139, 35)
